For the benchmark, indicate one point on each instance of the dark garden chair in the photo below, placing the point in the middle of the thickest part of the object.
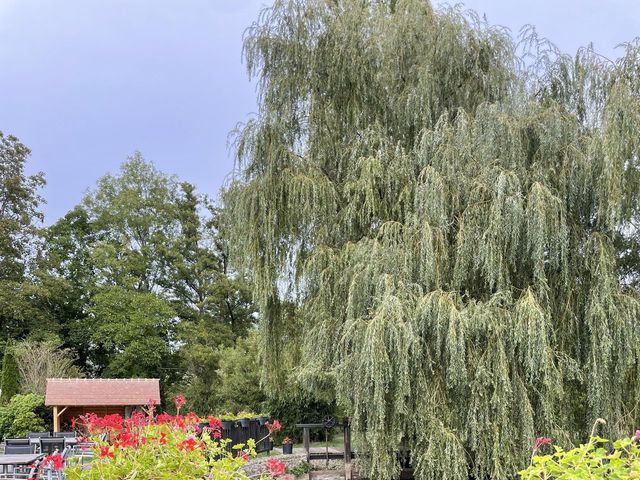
(50, 445)
(16, 441)
(10, 449)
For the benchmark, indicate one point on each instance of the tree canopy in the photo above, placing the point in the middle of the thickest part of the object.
(132, 281)
(19, 207)
(445, 208)
(140, 284)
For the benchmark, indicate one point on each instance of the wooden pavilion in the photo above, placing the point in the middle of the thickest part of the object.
(72, 397)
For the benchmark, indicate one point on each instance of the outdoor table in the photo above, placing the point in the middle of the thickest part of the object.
(18, 459)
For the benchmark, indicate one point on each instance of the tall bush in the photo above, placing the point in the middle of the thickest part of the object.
(10, 385)
(23, 414)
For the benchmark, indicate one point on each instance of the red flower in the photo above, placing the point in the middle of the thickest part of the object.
(188, 444)
(55, 460)
(151, 407)
(273, 427)
(191, 419)
(275, 467)
(179, 401)
(105, 452)
(214, 423)
(163, 418)
(243, 455)
(540, 441)
(636, 436)
(163, 439)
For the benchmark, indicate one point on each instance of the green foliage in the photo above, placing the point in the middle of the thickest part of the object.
(174, 458)
(19, 212)
(10, 385)
(23, 414)
(239, 387)
(299, 407)
(39, 360)
(199, 358)
(441, 208)
(139, 245)
(598, 458)
(133, 217)
(301, 469)
(20, 300)
(132, 330)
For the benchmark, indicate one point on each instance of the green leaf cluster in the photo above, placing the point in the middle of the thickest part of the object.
(23, 414)
(599, 458)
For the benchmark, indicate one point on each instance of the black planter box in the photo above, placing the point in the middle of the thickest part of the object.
(236, 433)
(287, 448)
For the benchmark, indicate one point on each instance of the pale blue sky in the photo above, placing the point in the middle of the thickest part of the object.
(84, 83)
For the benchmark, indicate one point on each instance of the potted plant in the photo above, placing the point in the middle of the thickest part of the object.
(228, 421)
(245, 418)
(287, 446)
(262, 419)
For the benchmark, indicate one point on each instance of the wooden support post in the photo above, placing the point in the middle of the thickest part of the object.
(347, 448)
(306, 441)
(56, 419)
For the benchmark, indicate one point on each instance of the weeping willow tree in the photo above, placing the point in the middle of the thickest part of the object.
(440, 202)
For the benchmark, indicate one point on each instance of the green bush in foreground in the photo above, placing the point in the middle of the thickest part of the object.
(597, 459)
(21, 415)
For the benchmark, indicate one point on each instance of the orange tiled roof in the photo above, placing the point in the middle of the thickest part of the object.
(90, 392)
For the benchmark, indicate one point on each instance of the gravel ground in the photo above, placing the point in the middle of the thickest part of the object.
(334, 471)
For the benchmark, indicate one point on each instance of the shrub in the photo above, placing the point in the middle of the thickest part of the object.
(165, 446)
(23, 414)
(597, 459)
(10, 375)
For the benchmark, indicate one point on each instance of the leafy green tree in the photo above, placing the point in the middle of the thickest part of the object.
(198, 278)
(198, 363)
(10, 385)
(133, 217)
(19, 208)
(132, 331)
(239, 386)
(142, 231)
(66, 266)
(441, 207)
(38, 360)
(19, 217)
(215, 306)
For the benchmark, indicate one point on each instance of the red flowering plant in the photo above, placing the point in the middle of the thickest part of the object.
(163, 446)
